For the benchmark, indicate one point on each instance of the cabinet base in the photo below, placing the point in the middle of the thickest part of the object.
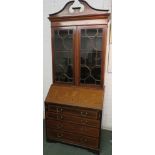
(96, 152)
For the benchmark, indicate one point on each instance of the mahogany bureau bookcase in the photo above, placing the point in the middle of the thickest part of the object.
(73, 106)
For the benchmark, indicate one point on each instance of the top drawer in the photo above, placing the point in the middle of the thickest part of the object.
(81, 112)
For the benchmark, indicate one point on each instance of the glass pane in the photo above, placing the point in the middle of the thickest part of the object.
(63, 55)
(90, 53)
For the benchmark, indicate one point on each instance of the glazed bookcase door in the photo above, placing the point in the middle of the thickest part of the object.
(91, 55)
(63, 55)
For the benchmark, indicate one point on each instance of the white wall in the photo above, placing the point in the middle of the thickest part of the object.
(52, 6)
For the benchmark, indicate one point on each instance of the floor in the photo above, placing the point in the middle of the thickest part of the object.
(62, 149)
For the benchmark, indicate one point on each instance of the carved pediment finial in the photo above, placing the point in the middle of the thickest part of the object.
(76, 5)
(77, 8)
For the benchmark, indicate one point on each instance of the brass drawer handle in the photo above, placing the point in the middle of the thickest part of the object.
(59, 117)
(84, 121)
(59, 109)
(83, 139)
(59, 126)
(59, 135)
(84, 113)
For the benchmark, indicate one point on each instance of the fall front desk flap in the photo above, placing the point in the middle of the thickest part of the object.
(76, 96)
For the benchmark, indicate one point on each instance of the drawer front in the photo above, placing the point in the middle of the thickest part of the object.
(71, 127)
(72, 138)
(73, 119)
(74, 111)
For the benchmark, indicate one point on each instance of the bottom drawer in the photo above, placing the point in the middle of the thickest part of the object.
(71, 138)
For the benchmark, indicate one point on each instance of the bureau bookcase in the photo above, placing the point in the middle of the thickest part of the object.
(73, 106)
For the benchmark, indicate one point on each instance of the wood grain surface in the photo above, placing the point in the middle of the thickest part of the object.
(76, 96)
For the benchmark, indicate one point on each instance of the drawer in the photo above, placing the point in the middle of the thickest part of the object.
(71, 127)
(81, 112)
(73, 119)
(72, 138)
